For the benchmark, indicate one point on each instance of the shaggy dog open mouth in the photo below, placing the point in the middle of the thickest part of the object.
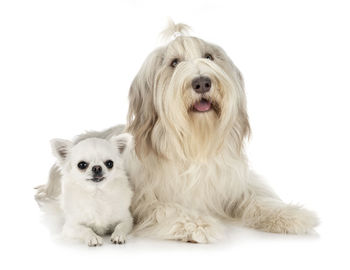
(204, 105)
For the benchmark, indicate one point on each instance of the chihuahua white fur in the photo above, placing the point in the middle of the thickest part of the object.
(95, 199)
(188, 169)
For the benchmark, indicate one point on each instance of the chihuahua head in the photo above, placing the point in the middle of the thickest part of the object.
(92, 160)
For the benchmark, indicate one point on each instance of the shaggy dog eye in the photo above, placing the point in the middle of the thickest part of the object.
(209, 56)
(109, 164)
(82, 165)
(175, 62)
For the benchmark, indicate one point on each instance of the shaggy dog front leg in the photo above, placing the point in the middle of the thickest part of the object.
(261, 209)
(174, 222)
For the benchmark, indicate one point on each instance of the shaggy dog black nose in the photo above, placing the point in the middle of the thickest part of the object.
(201, 84)
(97, 169)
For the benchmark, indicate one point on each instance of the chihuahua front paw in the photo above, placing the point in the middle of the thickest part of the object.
(94, 241)
(117, 238)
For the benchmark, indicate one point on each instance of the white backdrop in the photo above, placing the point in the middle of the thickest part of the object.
(66, 67)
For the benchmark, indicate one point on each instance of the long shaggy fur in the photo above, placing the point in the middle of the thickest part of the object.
(189, 170)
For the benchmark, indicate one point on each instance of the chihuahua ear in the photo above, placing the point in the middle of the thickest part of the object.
(61, 149)
(122, 141)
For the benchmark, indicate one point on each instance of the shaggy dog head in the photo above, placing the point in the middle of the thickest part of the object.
(187, 100)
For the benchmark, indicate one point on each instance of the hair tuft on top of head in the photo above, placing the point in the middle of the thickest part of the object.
(174, 30)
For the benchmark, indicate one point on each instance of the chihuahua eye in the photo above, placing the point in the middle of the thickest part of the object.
(82, 165)
(174, 63)
(209, 56)
(109, 164)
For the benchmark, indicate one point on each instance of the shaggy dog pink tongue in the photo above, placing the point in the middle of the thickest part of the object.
(202, 105)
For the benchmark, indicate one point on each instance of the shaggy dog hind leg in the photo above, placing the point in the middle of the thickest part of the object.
(263, 210)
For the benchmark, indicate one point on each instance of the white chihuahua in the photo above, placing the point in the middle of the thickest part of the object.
(96, 194)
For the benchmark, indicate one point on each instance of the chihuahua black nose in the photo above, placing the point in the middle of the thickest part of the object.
(97, 169)
(201, 84)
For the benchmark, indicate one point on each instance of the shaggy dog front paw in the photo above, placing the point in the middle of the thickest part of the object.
(198, 231)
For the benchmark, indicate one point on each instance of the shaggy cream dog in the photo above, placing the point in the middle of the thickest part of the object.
(188, 168)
